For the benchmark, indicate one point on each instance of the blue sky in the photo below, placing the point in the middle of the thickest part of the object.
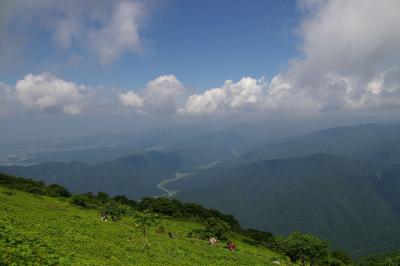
(154, 61)
(202, 43)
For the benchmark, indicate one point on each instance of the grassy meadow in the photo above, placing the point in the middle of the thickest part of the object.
(41, 230)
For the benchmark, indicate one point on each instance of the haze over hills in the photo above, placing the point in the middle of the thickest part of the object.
(227, 143)
(321, 193)
(359, 141)
(95, 148)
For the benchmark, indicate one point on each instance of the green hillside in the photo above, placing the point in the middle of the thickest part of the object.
(384, 259)
(44, 224)
(46, 230)
(348, 202)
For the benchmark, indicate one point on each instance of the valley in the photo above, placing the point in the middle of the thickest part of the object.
(150, 132)
(315, 182)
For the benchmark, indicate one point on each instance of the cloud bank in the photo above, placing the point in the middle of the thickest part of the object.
(351, 54)
(350, 60)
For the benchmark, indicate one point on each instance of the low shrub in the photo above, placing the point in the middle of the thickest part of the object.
(79, 200)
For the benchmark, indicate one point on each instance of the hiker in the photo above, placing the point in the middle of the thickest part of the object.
(104, 217)
(212, 241)
(171, 235)
(231, 246)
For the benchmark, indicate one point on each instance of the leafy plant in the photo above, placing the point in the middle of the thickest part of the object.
(55, 190)
(143, 221)
(214, 227)
(102, 197)
(79, 200)
(116, 209)
(305, 248)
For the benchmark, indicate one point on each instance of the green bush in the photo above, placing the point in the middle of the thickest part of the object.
(214, 227)
(124, 200)
(38, 191)
(383, 259)
(304, 248)
(258, 237)
(175, 208)
(55, 190)
(79, 200)
(342, 256)
(38, 188)
(102, 197)
(116, 209)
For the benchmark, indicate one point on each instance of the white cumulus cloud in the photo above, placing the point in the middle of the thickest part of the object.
(244, 94)
(351, 54)
(130, 99)
(159, 96)
(50, 94)
(350, 61)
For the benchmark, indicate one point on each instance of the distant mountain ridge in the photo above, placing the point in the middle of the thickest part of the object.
(359, 141)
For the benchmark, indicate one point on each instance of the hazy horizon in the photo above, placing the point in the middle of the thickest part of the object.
(117, 66)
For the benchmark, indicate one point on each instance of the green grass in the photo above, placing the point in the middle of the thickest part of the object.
(44, 230)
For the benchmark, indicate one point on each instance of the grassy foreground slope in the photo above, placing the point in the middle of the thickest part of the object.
(43, 230)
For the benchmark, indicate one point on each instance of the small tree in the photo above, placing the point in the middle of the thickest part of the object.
(102, 197)
(305, 248)
(121, 199)
(55, 190)
(342, 256)
(259, 237)
(116, 209)
(217, 227)
(79, 200)
(214, 227)
(143, 221)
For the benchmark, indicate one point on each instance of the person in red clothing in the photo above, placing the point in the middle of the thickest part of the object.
(231, 246)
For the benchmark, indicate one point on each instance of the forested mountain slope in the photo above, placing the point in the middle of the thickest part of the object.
(334, 197)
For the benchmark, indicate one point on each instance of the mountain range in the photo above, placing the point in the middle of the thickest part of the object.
(340, 183)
